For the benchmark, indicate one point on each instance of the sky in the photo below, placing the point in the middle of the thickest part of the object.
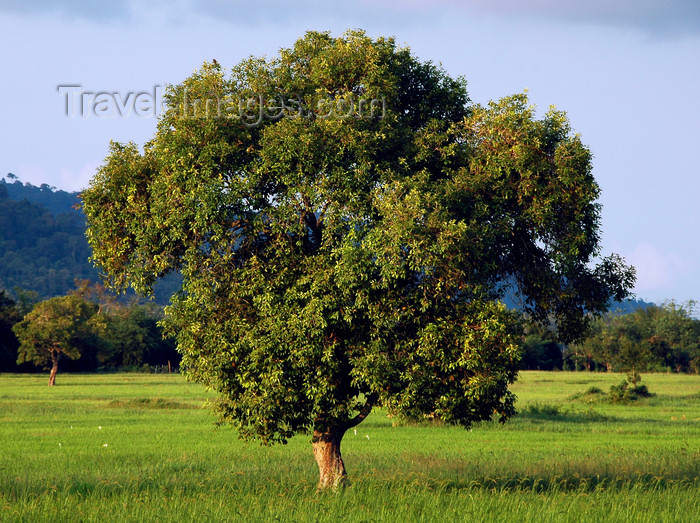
(627, 73)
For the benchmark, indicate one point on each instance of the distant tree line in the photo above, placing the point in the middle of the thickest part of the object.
(86, 330)
(664, 338)
(661, 338)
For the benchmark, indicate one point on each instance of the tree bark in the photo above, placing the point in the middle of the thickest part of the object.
(326, 445)
(55, 356)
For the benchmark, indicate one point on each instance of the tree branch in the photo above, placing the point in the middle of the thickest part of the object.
(370, 401)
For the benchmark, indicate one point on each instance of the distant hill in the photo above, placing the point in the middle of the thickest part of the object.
(628, 306)
(56, 201)
(42, 242)
(514, 301)
(40, 250)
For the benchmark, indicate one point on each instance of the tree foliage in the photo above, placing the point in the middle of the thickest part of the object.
(134, 339)
(131, 337)
(541, 349)
(332, 263)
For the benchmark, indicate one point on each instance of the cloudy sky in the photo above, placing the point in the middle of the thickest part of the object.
(626, 71)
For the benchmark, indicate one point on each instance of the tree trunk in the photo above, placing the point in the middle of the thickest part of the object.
(55, 356)
(326, 445)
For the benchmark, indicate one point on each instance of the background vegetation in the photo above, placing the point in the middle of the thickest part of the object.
(43, 249)
(664, 338)
(130, 337)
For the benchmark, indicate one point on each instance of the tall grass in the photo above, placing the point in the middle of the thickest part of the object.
(142, 448)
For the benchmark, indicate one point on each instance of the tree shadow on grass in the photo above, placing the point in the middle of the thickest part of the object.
(572, 482)
(583, 476)
(553, 412)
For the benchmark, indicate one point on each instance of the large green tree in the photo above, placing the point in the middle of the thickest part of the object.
(57, 327)
(345, 223)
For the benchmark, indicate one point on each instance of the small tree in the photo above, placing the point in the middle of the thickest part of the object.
(57, 327)
(677, 325)
(631, 358)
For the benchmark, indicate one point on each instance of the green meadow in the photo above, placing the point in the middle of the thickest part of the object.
(136, 447)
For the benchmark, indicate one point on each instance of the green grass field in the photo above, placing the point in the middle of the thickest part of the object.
(131, 447)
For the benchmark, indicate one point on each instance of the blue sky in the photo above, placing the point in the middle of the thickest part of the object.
(627, 72)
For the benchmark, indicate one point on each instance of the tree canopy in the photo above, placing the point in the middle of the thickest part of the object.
(60, 326)
(345, 222)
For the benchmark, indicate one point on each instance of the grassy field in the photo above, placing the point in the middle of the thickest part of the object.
(130, 447)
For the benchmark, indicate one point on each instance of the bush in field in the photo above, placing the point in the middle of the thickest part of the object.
(626, 392)
(541, 410)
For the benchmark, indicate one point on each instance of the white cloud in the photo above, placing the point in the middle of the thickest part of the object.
(657, 271)
(72, 180)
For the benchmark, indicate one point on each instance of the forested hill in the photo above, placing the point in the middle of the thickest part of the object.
(616, 308)
(42, 242)
(42, 245)
(628, 306)
(56, 201)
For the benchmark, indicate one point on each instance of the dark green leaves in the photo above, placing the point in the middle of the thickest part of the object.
(336, 257)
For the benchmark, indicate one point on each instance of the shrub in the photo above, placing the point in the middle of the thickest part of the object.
(625, 392)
